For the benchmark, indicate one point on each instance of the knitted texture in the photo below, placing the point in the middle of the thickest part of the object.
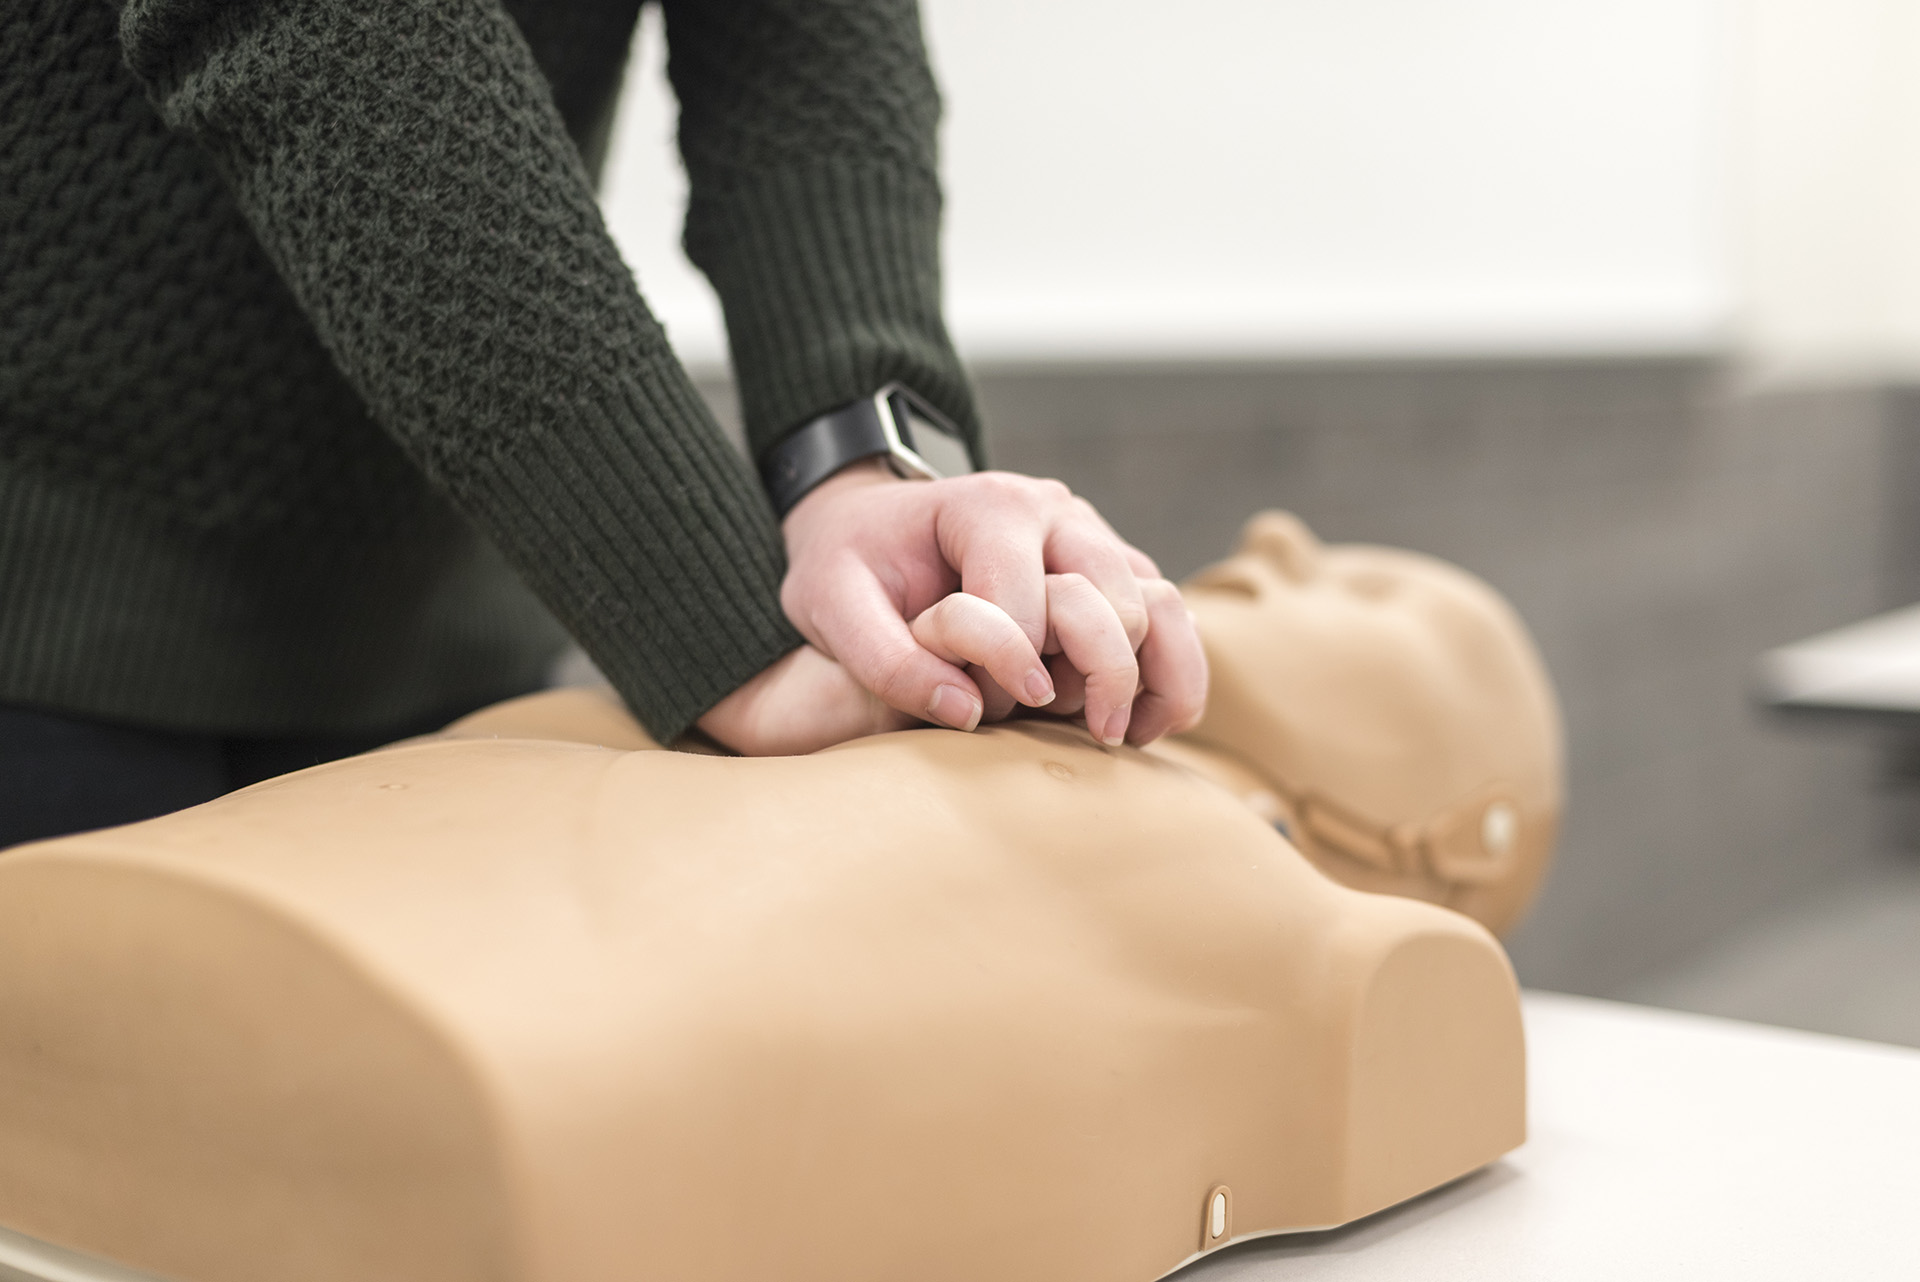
(815, 202)
(147, 346)
(295, 272)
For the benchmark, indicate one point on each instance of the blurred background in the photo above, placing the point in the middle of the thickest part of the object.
(1617, 305)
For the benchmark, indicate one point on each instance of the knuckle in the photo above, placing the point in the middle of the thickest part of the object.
(1190, 707)
(1001, 485)
(1011, 648)
(963, 610)
(894, 683)
(889, 660)
(1032, 492)
(1158, 591)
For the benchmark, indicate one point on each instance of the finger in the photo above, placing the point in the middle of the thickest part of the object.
(1090, 635)
(1070, 686)
(999, 704)
(1082, 544)
(1143, 565)
(1173, 668)
(861, 627)
(961, 628)
(996, 540)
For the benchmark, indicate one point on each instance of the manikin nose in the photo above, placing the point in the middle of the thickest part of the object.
(1283, 541)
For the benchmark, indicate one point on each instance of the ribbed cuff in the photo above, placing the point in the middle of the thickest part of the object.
(830, 277)
(649, 538)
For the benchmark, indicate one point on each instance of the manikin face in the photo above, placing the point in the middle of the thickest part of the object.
(1389, 711)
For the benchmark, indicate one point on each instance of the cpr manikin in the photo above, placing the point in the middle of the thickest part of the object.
(535, 1001)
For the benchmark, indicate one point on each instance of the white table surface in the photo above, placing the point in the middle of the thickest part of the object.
(1870, 666)
(1661, 1146)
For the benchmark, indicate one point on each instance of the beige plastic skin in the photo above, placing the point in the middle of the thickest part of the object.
(1388, 709)
(557, 1006)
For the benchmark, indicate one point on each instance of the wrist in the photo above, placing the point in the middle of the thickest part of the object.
(800, 703)
(892, 424)
(856, 475)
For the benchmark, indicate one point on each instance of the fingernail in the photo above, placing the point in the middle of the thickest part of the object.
(1116, 732)
(1039, 688)
(954, 707)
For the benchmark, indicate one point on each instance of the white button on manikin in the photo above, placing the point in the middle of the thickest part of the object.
(1498, 827)
(1217, 1216)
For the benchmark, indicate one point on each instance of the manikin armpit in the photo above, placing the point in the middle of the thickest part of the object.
(535, 1001)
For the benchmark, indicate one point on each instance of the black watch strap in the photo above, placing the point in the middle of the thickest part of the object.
(893, 424)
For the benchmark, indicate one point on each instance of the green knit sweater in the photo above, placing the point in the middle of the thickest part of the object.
(315, 354)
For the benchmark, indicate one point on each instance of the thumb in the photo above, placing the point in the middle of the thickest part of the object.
(863, 629)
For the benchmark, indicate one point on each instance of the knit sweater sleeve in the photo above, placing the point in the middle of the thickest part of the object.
(808, 131)
(406, 169)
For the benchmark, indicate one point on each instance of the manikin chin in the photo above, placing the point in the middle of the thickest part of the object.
(537, 1001)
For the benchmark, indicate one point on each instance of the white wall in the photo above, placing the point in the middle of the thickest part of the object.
(1829, 191)
(1285, 177)
(643, 194)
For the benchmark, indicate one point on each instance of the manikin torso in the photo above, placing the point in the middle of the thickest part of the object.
(536, 1000)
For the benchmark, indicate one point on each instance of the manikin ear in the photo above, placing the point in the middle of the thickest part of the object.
(1283, 541)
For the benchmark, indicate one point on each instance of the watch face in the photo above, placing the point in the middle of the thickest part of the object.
(946, 453)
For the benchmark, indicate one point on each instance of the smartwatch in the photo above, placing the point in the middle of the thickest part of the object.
(916, 440)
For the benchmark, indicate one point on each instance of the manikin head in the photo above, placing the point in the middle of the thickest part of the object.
(1387, 710)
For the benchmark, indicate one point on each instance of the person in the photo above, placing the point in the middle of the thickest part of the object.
(328, 409)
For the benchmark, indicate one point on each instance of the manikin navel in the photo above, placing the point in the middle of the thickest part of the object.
(534, 1000)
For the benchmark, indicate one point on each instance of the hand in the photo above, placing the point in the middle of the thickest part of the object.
(1089, 659)
(799, 703)
(1054, 609)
